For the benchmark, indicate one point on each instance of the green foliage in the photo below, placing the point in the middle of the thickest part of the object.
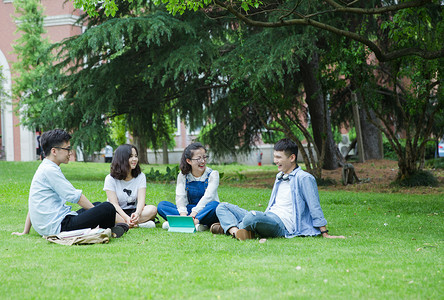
(237, 176)
(168, 133)
(266, 58)
(257, 75)
(92, 6)
(419, 178)
(259, 84)
(413, 109)
(430, 150)
(110, 8)
(352, 134)
(118, 130)
(435, 163)
(137, 66)
(272, 136)
(33, 59)
(391, 154)
(415, 26)
(261, 90)
(170, 174)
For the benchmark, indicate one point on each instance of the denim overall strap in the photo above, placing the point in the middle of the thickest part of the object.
(196, 189)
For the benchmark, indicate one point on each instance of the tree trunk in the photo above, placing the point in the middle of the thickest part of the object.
(371, 135)
(140, 143)
(317, 109)
(407, 166)
(165, 159)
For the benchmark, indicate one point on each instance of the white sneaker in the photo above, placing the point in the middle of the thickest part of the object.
(201, 227)
(165, 225)
(149, 224)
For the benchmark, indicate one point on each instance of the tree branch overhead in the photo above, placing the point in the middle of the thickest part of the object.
(301, 19)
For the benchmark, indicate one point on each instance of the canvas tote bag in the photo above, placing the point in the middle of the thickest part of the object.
(81, 237)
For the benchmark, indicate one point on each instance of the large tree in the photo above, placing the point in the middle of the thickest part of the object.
(135, 64)
(306, 13)
(381, 21)
(405, 94)
(269, 83)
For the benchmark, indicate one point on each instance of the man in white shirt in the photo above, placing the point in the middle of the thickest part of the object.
(293, 209)
(108, 153)
(50, 190)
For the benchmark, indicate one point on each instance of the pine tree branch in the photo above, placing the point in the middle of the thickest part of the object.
(307, 21)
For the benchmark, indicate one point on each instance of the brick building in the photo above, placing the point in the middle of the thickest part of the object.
(16, 142)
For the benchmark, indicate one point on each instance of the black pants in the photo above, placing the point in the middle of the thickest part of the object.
(103, 214)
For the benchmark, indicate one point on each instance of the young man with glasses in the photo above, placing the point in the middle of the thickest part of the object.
(293, 209)
(50, 190)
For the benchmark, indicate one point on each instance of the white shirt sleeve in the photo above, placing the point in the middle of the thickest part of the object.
(181, 194)
(62, 187)
(210, 192)
(110, 183)
(141, 181)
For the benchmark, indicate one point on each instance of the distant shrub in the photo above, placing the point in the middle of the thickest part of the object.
(389, 153)
(419, 178)
(169, 175)
(217, 163)
(436, 163)
(233, 177)
(430, 150)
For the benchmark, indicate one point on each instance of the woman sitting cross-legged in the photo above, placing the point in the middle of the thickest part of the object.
(125, 188)
(196, 190)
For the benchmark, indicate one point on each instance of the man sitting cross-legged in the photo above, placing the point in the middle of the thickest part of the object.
(50, 190)
(293, 209)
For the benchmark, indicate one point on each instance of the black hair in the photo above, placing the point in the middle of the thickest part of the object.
(53, 138)
(120, 164)
(188, 154)
(288, 146)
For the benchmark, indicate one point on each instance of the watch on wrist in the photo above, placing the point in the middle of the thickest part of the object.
(324, 231)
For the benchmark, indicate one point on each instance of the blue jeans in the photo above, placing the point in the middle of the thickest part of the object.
(206, 216)
(264, 224)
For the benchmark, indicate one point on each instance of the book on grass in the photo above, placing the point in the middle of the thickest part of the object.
(79, 232)
(181, 224)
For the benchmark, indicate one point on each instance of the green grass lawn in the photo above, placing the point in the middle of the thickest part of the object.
(394, 250)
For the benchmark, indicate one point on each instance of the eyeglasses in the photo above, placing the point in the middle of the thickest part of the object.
(69, 149)
(201, 159)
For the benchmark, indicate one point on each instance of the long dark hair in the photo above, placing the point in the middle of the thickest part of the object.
(188, 154)
(120, 164)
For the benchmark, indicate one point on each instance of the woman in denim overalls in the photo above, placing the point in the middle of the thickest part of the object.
(196, 190)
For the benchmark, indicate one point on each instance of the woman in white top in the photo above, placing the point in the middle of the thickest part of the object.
(196, 190)
(125, 188)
